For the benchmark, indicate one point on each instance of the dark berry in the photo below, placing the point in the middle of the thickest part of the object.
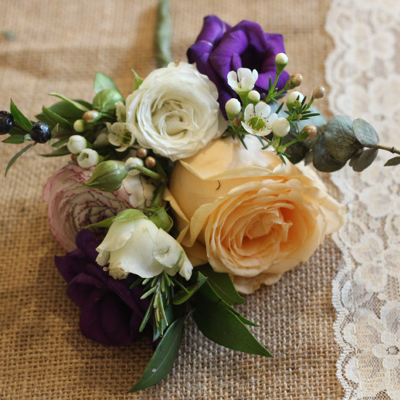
(40, 133)
(6, 122)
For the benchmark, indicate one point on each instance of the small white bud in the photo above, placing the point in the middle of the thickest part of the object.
(233, 108)
(79, 125)
(132, 161)
(292, 99)
(254, 96)
(102, 140)
(281, 127)
(76, 144)
(281, 59)
(88, 158)
(90, 116)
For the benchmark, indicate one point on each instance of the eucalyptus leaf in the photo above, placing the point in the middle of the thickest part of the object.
(323, 160)
(12, 161)
(365, 133)
(222, 284)
(103, 81)
(223, 327)
(182, 296)
(163, 358)
(364, 160)
(56, 118)
(74, 103)
(15, 139)
(297, 152)
(340, 138)
(19, 118)
(392, 162)
(62, 151)
(125, 215)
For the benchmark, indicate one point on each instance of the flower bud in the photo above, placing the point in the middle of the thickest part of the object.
(105, 100)
(134, 161)
(107, 176)
(90, 116)
(88, 158)
(79, 125)
(307, 132)
(254, 96)
(281, 127)
(232, 108)
(292, 98)
(319, 92)
(294, 81)
(281, 61)
(76, 144)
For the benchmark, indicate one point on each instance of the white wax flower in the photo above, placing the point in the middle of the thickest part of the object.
(281, 59)
(174, 112)
(293, 97)
(139, 247)
(243, 81)
(258, 119)
(79, 125)
(76, 143)
(233, 107)
(132, 161)
(119, 136)
(88, 158)
(254, 96)
(102, 139)
(281, 127)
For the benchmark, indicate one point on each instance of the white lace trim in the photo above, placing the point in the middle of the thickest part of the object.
(364, 75)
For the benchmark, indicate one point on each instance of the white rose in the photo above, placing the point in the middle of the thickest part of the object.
(141, 248)
(174, 112)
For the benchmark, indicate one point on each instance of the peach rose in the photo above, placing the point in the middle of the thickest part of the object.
(248, 214)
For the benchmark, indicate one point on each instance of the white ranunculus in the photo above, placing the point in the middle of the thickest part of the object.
(174, 112)
(141, 248)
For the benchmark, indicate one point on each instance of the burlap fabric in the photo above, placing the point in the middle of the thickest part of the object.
(59, 46)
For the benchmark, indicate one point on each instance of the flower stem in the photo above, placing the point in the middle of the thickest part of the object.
(387, 148)
(157, 199)
(146, 171)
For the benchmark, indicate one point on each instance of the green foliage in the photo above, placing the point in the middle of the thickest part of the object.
(79, 105)
(12, 161)
(323, 159)
(62, 151)
(19, 119)
(365, 133)
(102, 82)
(125, 215)
(163, 358)
(163, 35)
(392, 162)
(222, 326)
(56, 119)
(138, 80)
(363, 160)
(105, 100)
(184, 295)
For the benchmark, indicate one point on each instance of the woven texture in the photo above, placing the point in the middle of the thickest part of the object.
(59, 46)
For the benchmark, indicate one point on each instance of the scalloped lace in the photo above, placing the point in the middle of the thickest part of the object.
(363, 72)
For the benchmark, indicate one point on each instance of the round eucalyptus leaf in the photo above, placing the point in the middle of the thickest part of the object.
(365, 133)
(297, 152)
(323, 159)
(340, 138)
(308, 159)
(364, 160)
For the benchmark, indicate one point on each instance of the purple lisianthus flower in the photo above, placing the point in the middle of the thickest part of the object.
(220, 49)
(111, 313)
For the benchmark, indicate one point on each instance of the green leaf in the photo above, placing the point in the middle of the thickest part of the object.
(340, 138)
(125, 215)
(12, 161)
(19, 118)
(393, 161)
(182, 296)
(74, 103)
(16, 131)
(207, 294)
(163, 34)
(163, 358)
(365, 133)
(103, 81)
(323, 159)
(364, 160)
(56, 119)
(223, 327)
(62, 151)
(138, 80)
(15, 139)
(222, 284)
(105, 100)
(60, 142)
(67, 110)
